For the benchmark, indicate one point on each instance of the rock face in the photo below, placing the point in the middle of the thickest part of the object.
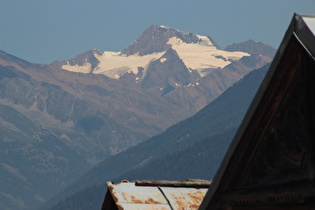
(167, 73)
(155, 39)
(206, 89)
(81, 60)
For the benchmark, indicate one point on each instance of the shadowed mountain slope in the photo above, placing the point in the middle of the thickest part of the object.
(56, 124)
(155, 158)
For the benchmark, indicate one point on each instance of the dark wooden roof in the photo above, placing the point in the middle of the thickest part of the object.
(271, 161)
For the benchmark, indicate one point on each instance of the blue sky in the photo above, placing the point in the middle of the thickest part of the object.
(42, 31)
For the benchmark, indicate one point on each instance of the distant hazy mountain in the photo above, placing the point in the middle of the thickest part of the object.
(192, 148)
(184, 68)
(55, 125)
(197, 52)
(252, 47)
(58, 120)
(94, 105)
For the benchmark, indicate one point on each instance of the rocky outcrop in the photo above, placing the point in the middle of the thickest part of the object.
(155, 39)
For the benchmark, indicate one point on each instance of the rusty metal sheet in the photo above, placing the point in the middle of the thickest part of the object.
(129, 193)
(133, 206)
(184, 198)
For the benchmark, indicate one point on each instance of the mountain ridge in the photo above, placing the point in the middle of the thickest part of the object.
(155, 39)
(61, 123)
(252, 47)
(142, 161)
(65, 121)
(197, 52)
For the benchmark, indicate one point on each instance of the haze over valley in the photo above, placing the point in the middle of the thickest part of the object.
(109, 115)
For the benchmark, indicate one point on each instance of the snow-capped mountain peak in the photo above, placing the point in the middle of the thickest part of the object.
(197, 52)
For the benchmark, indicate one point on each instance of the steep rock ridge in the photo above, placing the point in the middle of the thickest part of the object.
(155, 39)
(84, 62)
(213, 42)
(167, 73)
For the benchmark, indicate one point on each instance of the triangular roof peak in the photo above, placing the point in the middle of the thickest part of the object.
(271, 161)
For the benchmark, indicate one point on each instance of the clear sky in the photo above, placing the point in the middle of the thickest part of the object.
(42, 31)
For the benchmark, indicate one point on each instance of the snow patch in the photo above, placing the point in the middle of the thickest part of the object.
(310, 22)
(165, 27)
(86, 68)
(203, 55)
(115, 64)
(162, 60)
